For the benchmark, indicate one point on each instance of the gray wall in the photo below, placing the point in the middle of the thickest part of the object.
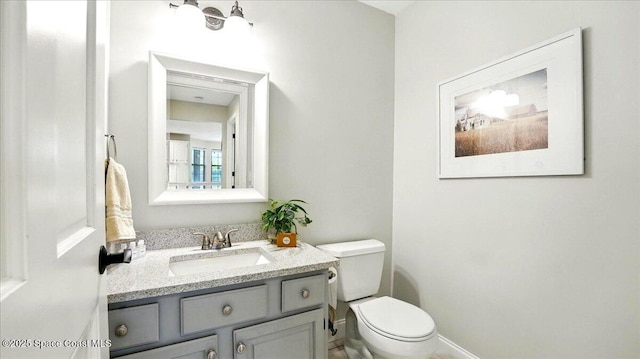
(331, 110)
(544, 267)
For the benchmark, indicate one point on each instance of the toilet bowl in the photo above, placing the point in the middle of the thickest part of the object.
(381, 327)
(393, 329)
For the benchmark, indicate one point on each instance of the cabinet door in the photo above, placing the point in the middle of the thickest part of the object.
(299, 336)
(206, 347)
(178, 173)
(178, 151)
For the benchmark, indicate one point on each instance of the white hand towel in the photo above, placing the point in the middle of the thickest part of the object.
(119, 221)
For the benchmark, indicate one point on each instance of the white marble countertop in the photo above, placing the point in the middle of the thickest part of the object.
(150, 276)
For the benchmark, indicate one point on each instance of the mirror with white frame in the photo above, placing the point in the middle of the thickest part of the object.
(208, 132)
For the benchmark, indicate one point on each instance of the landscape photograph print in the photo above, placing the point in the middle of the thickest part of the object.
(509, 116)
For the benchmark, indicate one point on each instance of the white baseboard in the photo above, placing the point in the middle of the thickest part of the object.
(446, 348)
(450, 350)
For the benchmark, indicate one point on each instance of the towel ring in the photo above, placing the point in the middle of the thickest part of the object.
(112, 139)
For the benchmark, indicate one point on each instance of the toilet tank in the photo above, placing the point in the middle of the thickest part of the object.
(360, 268)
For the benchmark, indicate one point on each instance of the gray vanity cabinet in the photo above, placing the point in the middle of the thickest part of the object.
(279, 318)
(300, 336)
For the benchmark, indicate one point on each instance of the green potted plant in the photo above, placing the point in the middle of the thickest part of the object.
(281, 218)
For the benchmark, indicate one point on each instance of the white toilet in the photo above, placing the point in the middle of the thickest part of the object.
(382, 327)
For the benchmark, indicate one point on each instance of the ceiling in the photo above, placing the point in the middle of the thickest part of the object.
(392, 7)
(199, 95)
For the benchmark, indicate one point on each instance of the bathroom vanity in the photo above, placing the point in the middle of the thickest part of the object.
(186, 302)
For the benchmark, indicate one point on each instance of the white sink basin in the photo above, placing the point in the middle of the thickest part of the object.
(220, 260)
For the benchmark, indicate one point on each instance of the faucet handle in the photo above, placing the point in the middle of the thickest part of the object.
(206, 243)
(227, 236)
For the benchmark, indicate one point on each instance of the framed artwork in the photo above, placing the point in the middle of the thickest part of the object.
(521, 115)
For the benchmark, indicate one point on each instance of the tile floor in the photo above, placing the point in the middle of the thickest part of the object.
(337, 353)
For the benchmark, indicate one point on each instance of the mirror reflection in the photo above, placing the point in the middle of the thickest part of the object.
(205, 144)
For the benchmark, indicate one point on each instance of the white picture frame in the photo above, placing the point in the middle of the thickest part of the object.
(521, 115)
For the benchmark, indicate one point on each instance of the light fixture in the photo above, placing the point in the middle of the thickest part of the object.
(189, 16)
(215, 20)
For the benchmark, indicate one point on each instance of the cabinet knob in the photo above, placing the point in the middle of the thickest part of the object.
(305, 293)
(211, 354)
(241, 348)
(121, 330)
(227, 310)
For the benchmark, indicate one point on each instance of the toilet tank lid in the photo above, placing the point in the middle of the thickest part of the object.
(353, 248)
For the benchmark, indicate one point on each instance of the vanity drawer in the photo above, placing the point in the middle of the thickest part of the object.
(133, 326)
(215, 310)
(303, 292)
(199, 348)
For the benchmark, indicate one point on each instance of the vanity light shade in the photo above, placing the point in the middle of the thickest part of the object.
(236, 22)
(190, 17)
(238, 26)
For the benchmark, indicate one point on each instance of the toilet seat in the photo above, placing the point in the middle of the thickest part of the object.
(397, 320)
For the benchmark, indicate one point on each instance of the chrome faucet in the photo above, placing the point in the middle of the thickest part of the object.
(218, 241)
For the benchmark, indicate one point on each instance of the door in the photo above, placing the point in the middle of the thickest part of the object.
(299, 336)
(179, 163)
(229, 166)
(54, 78)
